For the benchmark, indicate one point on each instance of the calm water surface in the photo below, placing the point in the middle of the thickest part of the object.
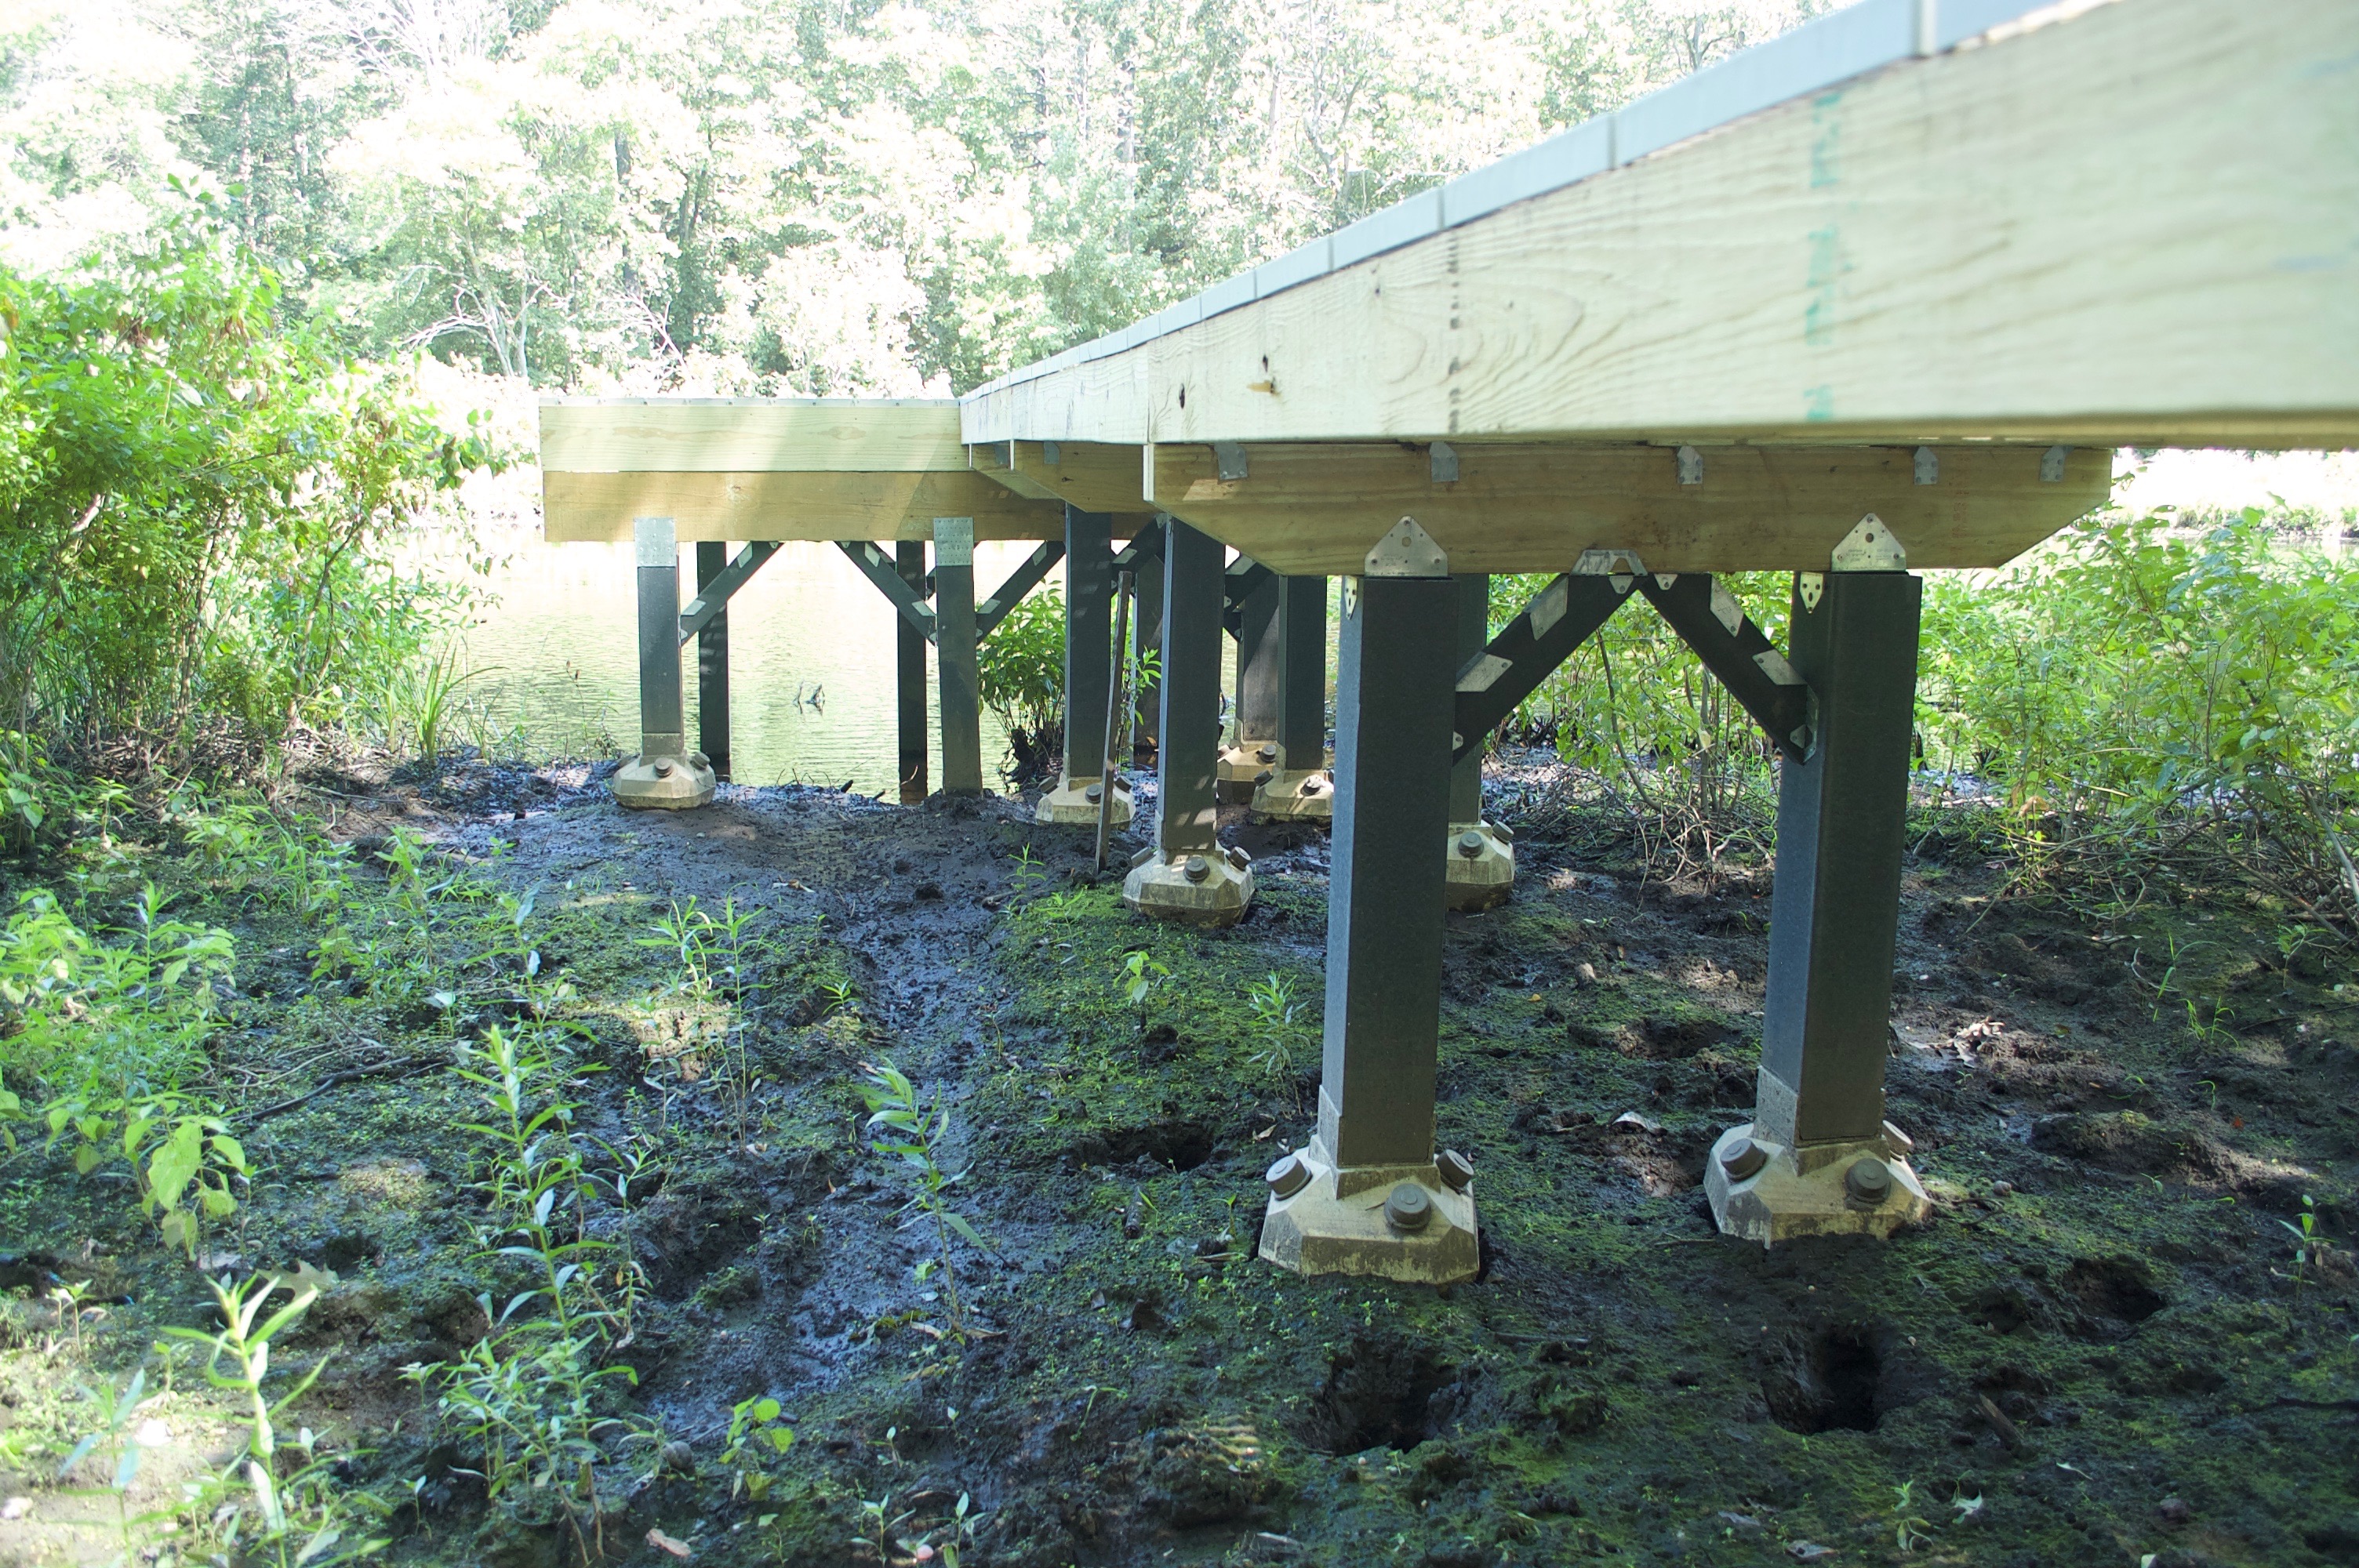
(810, 645)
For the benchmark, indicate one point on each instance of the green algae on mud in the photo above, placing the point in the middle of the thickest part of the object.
(2095, 1352)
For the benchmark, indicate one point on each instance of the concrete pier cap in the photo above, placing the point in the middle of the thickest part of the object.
(1768, 1192)
(1191, 887)
(1074, 802)
(1414, 1223)
(1482, 860)
(665, 782)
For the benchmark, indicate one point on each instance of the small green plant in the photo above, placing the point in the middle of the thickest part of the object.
(1910, 1531)
(422, 702)
(1031, 872)
(2308, 1244)
(292, 1521)
(715, 972)
(905, 1125)
(1271, 998)
(111, 1439)
(528, 1392)
(1141, 975)
(1066, 905)
(755, 1425)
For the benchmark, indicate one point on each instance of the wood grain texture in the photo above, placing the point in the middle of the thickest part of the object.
(750, 436)
(2139, 224)
(790, 505)
(1091, 475)
(1315, 509)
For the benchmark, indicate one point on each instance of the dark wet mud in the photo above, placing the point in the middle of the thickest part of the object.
(2100, 1350)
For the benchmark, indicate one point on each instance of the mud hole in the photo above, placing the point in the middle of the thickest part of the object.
(2101, 1347)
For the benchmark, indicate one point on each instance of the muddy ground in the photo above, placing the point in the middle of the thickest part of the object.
(2100, 1350)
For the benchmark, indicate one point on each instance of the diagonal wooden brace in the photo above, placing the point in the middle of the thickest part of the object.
(1528, 649)
(879, 569)
(1021, 581)
(1738, 653)
(1145, 545)
(1244, 576)
(714, 597)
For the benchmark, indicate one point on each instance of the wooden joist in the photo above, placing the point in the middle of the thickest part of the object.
(1311, 508)
(750, 435)
(2136, 224)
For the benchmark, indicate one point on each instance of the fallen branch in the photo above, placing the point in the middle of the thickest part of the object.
(335, 1080)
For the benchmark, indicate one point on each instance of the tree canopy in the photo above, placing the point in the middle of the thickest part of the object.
(824, 196)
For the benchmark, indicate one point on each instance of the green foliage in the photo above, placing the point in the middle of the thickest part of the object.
(714, 975)
(527, 1394)
(128, 1015)
(2137, 690)
(906, 1125)
(1020, 669)
(188, 490)
(289, 1522)
(1138, 979)
(1276, 1013)
(753, 1426)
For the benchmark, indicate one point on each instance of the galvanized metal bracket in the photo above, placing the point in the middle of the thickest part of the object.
(1870, 546)
(1229, 459)
(1621, 567)
(714, 595)
(2051, 464)
(1406, 550)
(1928, 466)
(1691, 466)
(1445, 462)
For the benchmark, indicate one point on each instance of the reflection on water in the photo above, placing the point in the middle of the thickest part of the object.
(811, 658)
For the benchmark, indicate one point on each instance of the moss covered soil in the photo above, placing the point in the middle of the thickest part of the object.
(2101, 1349)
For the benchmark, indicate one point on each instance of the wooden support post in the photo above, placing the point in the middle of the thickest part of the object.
(1089, 674)
(1260, 653)
(664, 775)
(909, 564)
(1368, 1197)
(1293, 783)
(1817, 1156)
(954, 648)
(1187, 877)
(1481, 855)
(712, 663)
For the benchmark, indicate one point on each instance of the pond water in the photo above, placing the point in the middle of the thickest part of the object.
(555, 646)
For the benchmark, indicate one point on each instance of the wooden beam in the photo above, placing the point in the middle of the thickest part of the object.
(2136, 225)
(750, 435)
(991, 459)
(1315, 509)
(1091, 475)
(790, 505)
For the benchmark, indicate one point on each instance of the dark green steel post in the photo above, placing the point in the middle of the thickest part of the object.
(1395, 693)
(1191, 698)
(1089, 655)
(1473, 633)
(1259, 651)
(713, 664)
(954, 652)
(1146, 598)
(1835, 910)
(909, 564)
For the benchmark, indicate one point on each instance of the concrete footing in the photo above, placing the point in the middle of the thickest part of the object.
(1283, 794)
(1394, 1222)
(1236, 768)
(1482, 866)
(1765, 1191)
(1074, 802)
(1192, 888)
(665, 782)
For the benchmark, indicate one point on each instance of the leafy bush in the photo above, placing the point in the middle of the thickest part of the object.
(188, 491)
(1020, 669)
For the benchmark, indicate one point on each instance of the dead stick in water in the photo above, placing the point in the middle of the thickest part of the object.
(1114, 705)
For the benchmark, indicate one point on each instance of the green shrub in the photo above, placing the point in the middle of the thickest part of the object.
(188, 490)
(1020, 669)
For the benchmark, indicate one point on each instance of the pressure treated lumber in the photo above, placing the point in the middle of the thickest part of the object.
(2136, 225)
(777, 506)
(1092, 475)
(724, 435)
(1314, 509)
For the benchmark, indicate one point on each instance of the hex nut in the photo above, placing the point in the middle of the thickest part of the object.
(1197, 869)
(1407, 1207)
(1867, 1180)
(1312, 787)
(1267, 754)
(1237, 858)
(699, 759)
(1263, 776)
(1469, 844)
(1743, 1159)
(663, 767)
(1457, 1170)
(1094, 794)
(1501, 831)
(1289, 1176)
